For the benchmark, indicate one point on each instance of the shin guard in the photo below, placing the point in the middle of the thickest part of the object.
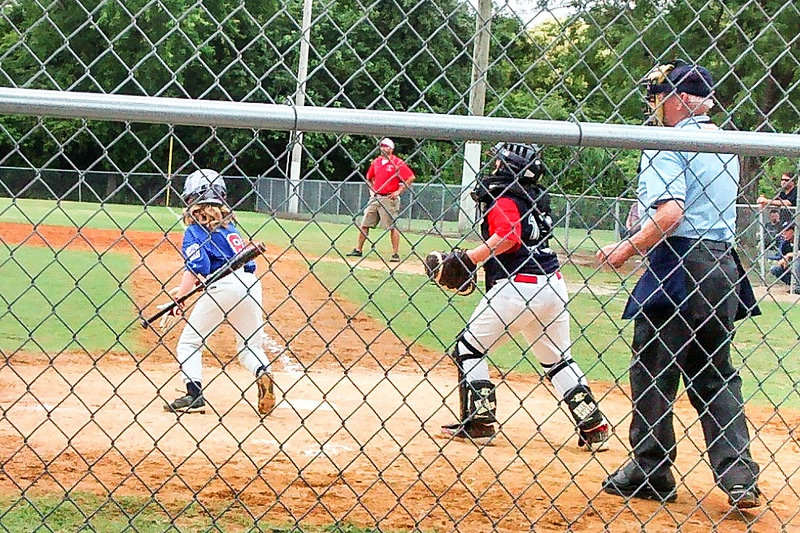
(480, 402)
(583, 408)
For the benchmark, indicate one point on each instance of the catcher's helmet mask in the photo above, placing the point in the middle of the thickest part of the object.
(518, 172)
(204, 186)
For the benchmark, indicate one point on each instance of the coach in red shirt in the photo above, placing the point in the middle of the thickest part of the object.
(388, 176)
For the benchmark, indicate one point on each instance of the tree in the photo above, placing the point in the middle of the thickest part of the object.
(747, 45)
(403, 55)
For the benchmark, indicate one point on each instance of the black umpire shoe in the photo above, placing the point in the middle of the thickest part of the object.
(631, 482)
(743, 496)
(187, 404)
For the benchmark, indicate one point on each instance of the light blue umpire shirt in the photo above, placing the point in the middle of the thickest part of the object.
(708, 184)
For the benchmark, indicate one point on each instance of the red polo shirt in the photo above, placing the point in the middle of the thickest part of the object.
(385, 174)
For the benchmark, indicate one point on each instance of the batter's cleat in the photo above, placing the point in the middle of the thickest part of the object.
(474, 432)
(395, 258)
(596, 439)
(266, 396)
(187, 404)
(743, 497)
(354, 253)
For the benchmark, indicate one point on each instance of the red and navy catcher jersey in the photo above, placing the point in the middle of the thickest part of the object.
(530, 226)
(206, 252)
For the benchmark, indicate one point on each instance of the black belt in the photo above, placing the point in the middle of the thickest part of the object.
(716, 246)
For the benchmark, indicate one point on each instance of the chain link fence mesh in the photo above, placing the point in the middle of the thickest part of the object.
(90, 222)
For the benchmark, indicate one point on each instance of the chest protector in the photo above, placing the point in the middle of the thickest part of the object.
(534, 255)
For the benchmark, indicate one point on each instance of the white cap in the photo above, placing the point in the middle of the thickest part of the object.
(386, 141)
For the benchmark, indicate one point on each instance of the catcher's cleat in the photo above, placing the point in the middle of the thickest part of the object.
(593, 428)
(595, 439)
(473, 432)
(187, 404)
(266, 396)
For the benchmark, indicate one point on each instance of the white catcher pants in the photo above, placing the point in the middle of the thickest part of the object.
(237, 299)
(537, 311)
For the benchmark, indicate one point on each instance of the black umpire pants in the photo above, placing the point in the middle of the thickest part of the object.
(694, 344)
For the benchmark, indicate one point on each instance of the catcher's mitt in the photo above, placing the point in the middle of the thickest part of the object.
(453, 271)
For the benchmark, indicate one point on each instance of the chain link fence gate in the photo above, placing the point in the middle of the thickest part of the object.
(91, 232)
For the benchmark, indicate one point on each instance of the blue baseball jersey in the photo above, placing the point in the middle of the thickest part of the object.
(206, 252)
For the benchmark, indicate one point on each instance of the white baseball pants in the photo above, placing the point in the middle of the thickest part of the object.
(537, 311)
(237, 299)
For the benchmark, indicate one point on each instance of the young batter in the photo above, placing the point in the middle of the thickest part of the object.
(209, 242)
(525, 293)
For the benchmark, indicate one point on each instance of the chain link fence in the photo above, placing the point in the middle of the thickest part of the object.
(429, 208)
(92, 237)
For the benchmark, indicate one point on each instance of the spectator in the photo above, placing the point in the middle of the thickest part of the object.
(786, 199)
(772, 235)
(781, 269)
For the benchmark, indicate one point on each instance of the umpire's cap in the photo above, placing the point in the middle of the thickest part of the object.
(683, 78)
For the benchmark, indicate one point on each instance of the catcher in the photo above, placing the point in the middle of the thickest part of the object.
(525, 292)
(209, 243)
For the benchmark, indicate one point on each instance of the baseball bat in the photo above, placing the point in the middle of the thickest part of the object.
(236, 262)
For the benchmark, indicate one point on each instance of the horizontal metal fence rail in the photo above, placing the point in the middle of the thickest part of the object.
(176, 111)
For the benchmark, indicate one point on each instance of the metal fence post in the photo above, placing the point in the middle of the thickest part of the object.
(762, 260)
(567, 209)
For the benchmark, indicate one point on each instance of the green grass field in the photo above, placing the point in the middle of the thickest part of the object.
(417, 311)
(78, 511)
(314, 238)
(64, 301)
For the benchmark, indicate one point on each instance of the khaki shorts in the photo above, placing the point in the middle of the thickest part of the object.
(383, 209)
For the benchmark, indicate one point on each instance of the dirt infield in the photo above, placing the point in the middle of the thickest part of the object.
(350, 439)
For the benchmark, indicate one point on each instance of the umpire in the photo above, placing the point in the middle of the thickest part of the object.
(685, 304)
